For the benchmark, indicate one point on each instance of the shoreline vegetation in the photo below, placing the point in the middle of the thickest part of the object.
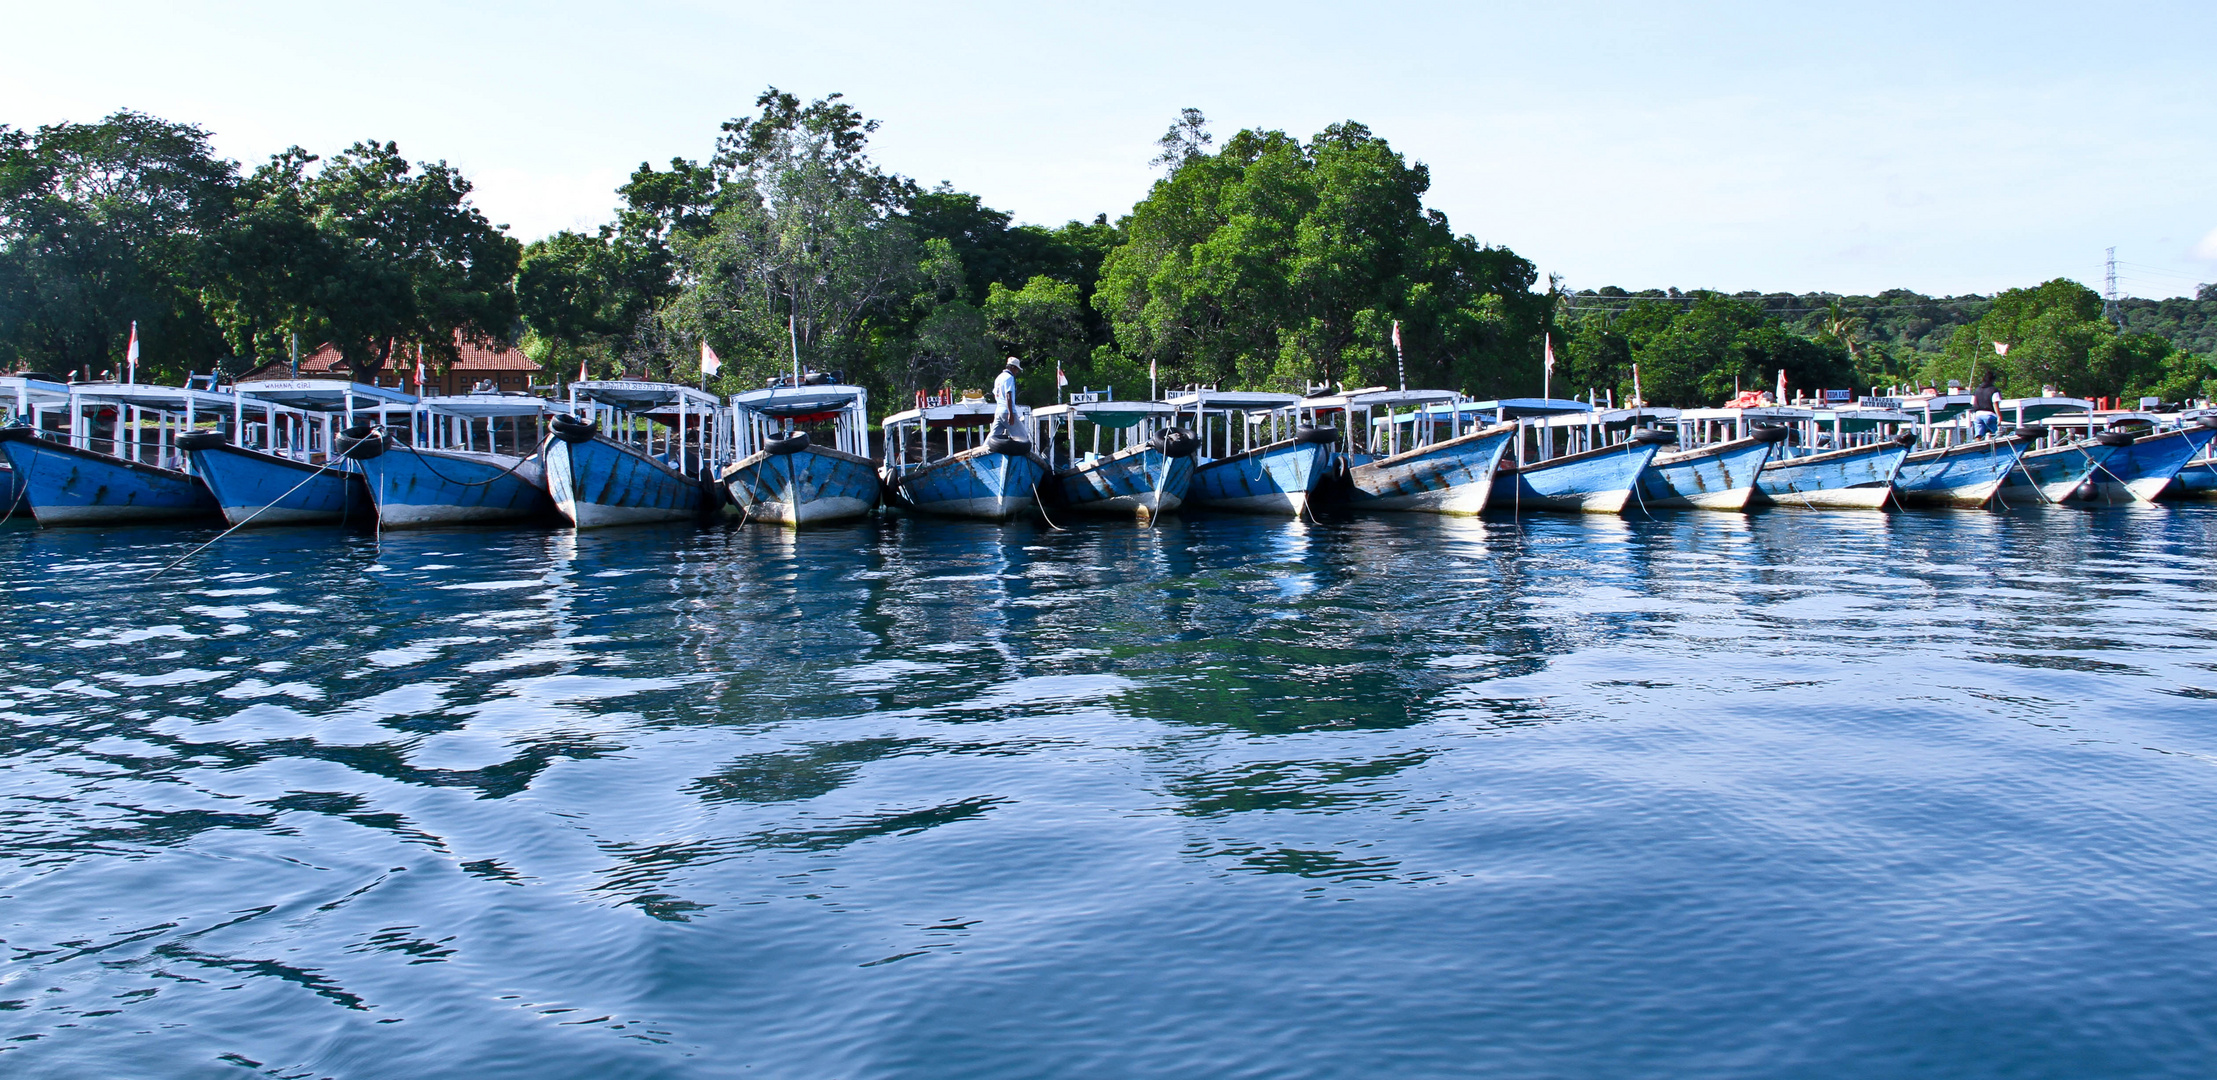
(1266, 261)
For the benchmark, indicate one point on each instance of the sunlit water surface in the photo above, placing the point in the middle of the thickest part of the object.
(1796, 794)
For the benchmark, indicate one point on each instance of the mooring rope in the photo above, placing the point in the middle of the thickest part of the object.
(320, 470)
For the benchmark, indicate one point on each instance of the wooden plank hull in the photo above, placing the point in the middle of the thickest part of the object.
(258, 489)
(976, 483)
(413, 488)
(2198, 480)
(2051, 475)
(64, 485)
(1277, 479)
(1857, 478)
(1451, 477)
(1594, 482)
(1964, 476)
(2140, 472)
(596, 483)
(1139, 482)
(1719, 477)
(813, 484)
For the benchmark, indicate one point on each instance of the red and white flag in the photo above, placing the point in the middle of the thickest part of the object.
(419, 369)
(1061, 380)
(131, 354)
(709, 363)
(2001, 349)
(1547, 341)
(1396, 335)
(582, 375)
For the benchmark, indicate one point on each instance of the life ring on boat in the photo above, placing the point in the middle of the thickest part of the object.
(1308, 434)
(791, 444)
(570, 429)
(359, 443)
(1176, 443)
(1907, 438)
(201, 440)
(1770, 433)
(1653, 436)
(1008, 444)
(18, 433)
(2114, 438)
(2029, 433)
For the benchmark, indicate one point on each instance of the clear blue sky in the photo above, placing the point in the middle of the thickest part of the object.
(1941, 147)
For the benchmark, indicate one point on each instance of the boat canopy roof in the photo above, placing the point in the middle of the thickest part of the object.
(489, 406)
(2040, 408)
(33, 390)
(148, 396)
(1612, 417)
(1235, 400)
(2103, 419)
(1108, 414)
(1939, 406)
(1519, 408)
(640, 396)
(322, 395)
(794, 402)
(1785, 413)
(959, 414)
(1382, 399)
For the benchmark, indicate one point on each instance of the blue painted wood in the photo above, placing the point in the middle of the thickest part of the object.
(1716, 477)
(257, 489)
(2198, 480)
(1857, 478)
(1450, 477)
(65, 485)
(1965, 475)
(1137, 481)
(976, 483)
(2050, 475)
(413, 487)
(813, 484)
(1277, 479)
(13, 507)
(2140, 472)
(1595, 481)
(597, 483)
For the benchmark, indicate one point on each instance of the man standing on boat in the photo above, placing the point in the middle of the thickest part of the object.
(1004, 398)
(1985, 409)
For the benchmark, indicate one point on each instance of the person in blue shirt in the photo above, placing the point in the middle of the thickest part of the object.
(1004, 398)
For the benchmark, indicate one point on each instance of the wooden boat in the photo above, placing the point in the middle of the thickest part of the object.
(105, 469)
(38, 402)
(1563, 459)
(1255, 455)
(446, 470)
(1434, 457)
(785, 474)
(1716, 476)
(2142, 469)
(2197, 479)
(970, 473)
(278, 464)
(630, 452)
(1831, 459)
(1144, 470)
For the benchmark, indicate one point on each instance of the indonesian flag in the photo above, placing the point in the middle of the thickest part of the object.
(582, 375)
(419, 369)
(1396, 335)
(131, 353)
(2001, 349)
(1150, 369)
(1547, 342)
(1061, 380)
(709, 363)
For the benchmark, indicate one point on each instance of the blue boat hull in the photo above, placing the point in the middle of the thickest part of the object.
(1594, 482)
(1719, 477)
(13, 507)
(596, 483)
(810, 485)
(1857, 478)
(2198, 480)
(414, 487)
(976, 483)
(2140, 472)
(1451, 477)
(64, 485)
(1277, 479)
(262, 489)
(1139, 482)
(2051, 475)
(1966, 475)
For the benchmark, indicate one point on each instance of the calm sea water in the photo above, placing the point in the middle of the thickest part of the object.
(1789, 795)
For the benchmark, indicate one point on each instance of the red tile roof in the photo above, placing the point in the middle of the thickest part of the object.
(325, 360)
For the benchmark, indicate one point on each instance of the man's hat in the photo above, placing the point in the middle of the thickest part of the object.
(1015, 363)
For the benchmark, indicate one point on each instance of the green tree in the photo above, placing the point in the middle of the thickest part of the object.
(584, 298)
(102, 225)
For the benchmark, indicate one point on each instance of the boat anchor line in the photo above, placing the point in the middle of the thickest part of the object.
(1041, 503)
(320, 469)
(22, 491)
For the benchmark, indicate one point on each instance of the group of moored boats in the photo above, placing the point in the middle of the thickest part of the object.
(802, 451)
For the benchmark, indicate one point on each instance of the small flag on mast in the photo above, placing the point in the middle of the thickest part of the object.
(709, 363)
(131, 354)
(2001, 349)
(1547, 342)
(1061, 380)
(419, 369)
